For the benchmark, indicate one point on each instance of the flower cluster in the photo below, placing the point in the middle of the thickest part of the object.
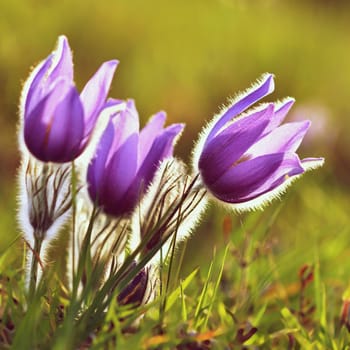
(132, 198)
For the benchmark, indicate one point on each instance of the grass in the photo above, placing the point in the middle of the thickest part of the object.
(256, 291)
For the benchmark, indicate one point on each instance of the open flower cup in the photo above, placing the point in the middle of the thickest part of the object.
(247, 157)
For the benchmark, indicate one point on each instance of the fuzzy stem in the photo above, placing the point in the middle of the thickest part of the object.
(74, 209)
(33, 276)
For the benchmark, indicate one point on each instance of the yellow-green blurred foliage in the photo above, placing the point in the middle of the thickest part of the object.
(187, 57)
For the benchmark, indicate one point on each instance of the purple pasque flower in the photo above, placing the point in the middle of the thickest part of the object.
(127, 159)
(247, 159)
(57, 120)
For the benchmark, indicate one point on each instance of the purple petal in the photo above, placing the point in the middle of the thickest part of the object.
(62, 62)
(162, 148)
(38, 122)
(126, 123)
(113, 102)
(57, 65)
(230, 145)
(97, 166)
(280, 114)
(35, 90)
(95, 92)
(253, 95)
(66, 129)
(255, 177)
(130, 198)
(286, 138)
(149, 133)
(119, 174)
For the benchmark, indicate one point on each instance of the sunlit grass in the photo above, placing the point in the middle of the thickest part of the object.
(279, 282)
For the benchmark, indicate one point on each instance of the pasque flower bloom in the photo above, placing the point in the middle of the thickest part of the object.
(58, 121)
(126, 159)
(247, 159)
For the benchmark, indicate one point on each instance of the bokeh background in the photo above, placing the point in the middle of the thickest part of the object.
(186, 57)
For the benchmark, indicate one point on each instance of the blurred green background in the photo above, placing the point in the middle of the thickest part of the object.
(187, 57)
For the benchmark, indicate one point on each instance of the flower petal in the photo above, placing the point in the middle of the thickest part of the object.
(119, 174)
(230, 145)
(281, 110)
(33, 92)
(62, 63)
(38, 122)
(126, 123)
(97, 166)
(66, 129)
(247, 99)
(149, 133)
(95, 92)
(162, 147)
(286, 138)
(255, 177)
(312, 163)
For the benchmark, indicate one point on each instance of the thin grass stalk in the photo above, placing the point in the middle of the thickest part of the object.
(180, 262)
(161, 267)
(202, 297)
(216, 288)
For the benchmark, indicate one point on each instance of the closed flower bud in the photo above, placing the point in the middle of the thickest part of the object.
(127, 159)
(57, 120)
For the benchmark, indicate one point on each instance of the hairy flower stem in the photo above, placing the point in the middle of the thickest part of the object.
(74, 212)
(33, 273)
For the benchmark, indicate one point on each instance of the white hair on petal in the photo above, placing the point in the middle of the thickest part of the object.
(23, 98)
(279, 103)
(57, 54)
(312, 163)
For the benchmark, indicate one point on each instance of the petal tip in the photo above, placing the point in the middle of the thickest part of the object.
(130, 104)
(63, 39)
(112, 64)
(312, 163)
(178, 128)
(62, 45)
(268, 78)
